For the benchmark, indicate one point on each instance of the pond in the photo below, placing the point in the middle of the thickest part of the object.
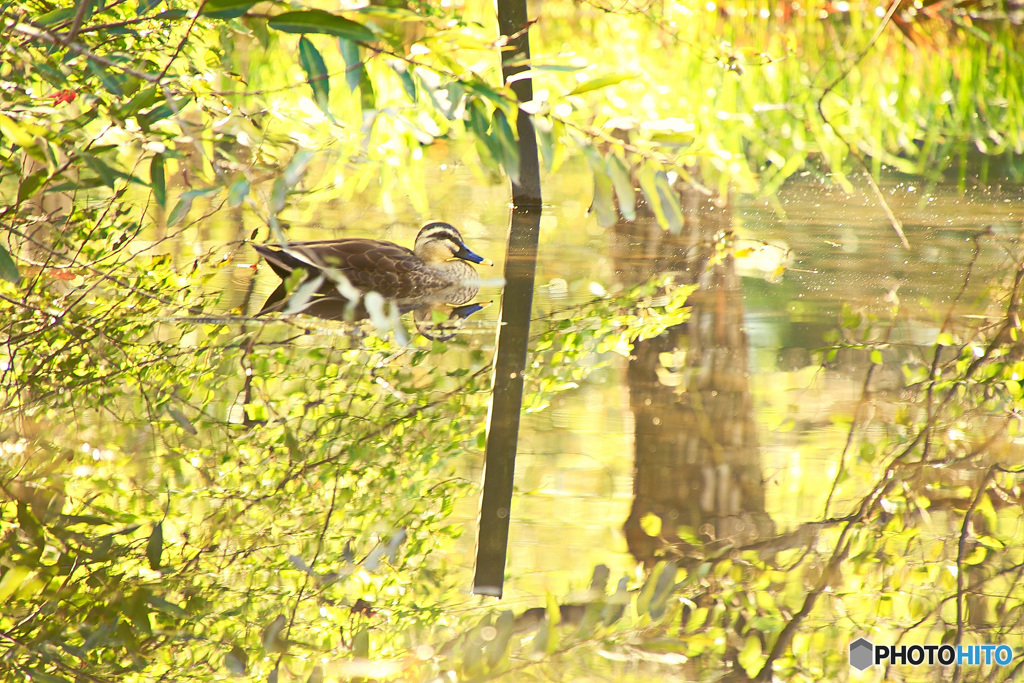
(576, 460)
(765, 422)
(826, 319)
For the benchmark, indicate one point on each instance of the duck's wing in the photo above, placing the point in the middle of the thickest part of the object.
(383, 267)
(392, 270)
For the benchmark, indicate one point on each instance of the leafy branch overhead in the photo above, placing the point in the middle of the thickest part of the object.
(107, 97)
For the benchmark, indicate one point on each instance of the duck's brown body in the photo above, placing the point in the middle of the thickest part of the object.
(437, 268)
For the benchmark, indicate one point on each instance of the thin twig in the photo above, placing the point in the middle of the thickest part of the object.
(78, 48)
(961, 552)
(897, 225)
(83, 5)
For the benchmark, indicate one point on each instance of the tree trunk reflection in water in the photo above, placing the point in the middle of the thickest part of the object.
(514, 330)
(697, 460)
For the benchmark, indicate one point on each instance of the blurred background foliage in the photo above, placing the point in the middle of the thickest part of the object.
(187, 495)
(169, 105)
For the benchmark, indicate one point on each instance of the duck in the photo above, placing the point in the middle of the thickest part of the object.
(437, 268)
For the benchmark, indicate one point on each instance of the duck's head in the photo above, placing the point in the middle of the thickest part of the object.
(438, 242)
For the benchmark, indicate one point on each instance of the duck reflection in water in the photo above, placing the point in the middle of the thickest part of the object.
(435, 276)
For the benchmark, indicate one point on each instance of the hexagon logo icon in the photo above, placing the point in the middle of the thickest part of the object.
(861, 654)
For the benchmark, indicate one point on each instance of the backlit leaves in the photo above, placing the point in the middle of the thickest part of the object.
(319, 21)
(661, 198)
(600, 82)
(226, 9)
(621, 180)
(496, 143)
(316, 74)
(184, 205)
(603, 204)
(507, 145)
(8, 269)
(353, 63)
(157, 179)
(155, 546)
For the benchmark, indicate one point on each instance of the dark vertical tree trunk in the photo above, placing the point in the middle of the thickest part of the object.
(514, 332)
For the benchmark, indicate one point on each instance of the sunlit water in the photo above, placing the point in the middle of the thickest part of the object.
(807, 251)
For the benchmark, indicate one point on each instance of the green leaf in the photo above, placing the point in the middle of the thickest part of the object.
(106, 174)
(145, 7)
(29, 524)
(157, 180)
(390, 13)
(180, 210)
(171, 15)
(184, 204)
(303, 294)
(11, 581)
(600, 82)
(353, 64)
(659, 195)
(669, 203)
(508, 145)
(57, 16)
(43, 677)
(8, 269)
(145, 97)
(402, 70)
(237, 193)
(623, 183)
(319, 21)
(31, 183)
(550, 134)
(552, 68)
(110, 81)
(166, 606)
(292, 444)
(155, 546)
(256, 412)
(497, 649)
(537, 69)
(226, 9)
(236, 661)
(368, 98)
(273, 635)
(316, 75)
(296, 168)
(182, 421)
(553, 614)
(15, 133)
(602, 205)
(162, 111)
(258, 25)
(361, 644)
(663, 591)
(651, 587)
(278, 195)
(750, 656)
(478, 122)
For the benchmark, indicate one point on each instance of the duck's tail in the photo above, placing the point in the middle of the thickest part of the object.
(282, 263)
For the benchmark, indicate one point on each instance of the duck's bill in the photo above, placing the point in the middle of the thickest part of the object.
(466, 255)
